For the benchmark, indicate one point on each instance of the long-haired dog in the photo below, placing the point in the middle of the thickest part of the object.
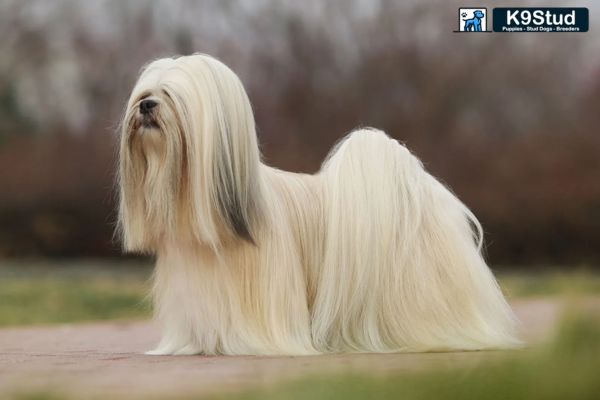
(371, 254)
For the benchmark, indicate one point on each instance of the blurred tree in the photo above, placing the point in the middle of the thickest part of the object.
(508, 121)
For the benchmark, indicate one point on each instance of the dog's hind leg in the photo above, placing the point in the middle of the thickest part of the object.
(402, 269)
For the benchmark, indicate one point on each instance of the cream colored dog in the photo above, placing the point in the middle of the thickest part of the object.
(372, 254)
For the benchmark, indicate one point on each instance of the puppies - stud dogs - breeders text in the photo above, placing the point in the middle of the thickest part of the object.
(371, 254)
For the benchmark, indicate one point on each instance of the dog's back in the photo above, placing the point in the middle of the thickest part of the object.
(401, 267)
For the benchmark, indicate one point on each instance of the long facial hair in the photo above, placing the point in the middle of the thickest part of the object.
(189, 167)
(151, 174)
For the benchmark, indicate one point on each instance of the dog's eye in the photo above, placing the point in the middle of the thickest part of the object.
(166, 94)
(144, 95)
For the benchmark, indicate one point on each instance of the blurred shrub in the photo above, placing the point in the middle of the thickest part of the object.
(508, 121)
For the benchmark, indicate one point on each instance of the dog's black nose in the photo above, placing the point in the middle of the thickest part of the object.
(147, 105)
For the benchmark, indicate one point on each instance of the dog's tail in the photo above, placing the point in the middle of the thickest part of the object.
(402, 268)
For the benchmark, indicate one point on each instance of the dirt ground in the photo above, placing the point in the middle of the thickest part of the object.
(106, 359)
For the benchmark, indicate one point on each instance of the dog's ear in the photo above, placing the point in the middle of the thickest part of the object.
(235, 174)
(224, 160)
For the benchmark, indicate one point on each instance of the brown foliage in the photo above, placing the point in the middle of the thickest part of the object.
(508, 121)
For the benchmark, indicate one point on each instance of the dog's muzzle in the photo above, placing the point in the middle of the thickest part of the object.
(146, 106)
(146, 116)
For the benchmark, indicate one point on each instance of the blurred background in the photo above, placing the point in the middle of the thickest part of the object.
(508, 121)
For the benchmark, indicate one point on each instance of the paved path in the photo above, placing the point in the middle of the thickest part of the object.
(106, 359)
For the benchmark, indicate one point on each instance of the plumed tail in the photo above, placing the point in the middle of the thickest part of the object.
(402, 269)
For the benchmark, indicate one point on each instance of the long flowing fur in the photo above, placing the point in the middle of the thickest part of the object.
(371, 254)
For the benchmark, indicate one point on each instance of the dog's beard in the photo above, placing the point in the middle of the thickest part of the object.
(152, 169)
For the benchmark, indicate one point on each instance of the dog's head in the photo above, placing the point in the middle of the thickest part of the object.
(478, 14)
(188, 156)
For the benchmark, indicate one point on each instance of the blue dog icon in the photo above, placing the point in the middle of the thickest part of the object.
(473, 24)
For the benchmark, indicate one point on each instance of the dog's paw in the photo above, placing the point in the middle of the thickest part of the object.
(159, 352)
(188, 350)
